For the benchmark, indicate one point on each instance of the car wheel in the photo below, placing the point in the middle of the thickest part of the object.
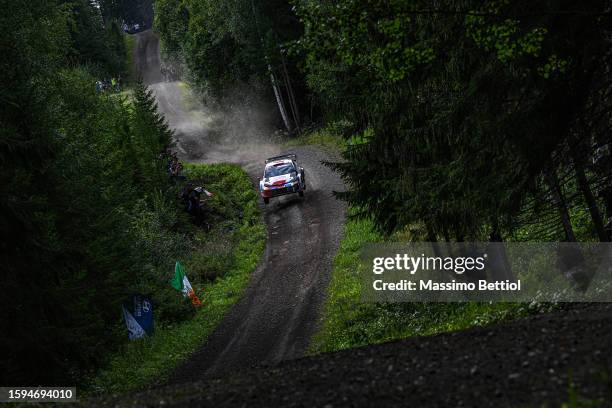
(301, 193)
(266, 200)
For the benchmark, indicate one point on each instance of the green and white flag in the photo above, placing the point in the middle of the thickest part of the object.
(182, 284)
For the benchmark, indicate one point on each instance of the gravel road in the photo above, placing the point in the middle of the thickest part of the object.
(517, 364)
(279, 311)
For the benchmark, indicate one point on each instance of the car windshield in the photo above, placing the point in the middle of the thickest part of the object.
(279, 170)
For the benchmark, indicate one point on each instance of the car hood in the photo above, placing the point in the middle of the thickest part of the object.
(278, 180)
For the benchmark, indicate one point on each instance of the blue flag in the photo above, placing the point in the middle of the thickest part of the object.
(138, 316)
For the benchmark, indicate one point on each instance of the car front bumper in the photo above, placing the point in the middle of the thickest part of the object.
(275, 192)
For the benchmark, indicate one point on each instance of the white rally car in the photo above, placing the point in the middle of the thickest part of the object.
(282, 175)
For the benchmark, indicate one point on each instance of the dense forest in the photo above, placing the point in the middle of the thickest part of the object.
(238, 42)
(127, 11)
(464, 119)
(88, 213)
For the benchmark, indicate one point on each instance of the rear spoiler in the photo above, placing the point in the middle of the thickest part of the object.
(284, 156)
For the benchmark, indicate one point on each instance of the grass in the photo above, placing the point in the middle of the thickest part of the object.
(330, 137)
(320, 137)
(189, 99)
(219, 269)
(347, 322)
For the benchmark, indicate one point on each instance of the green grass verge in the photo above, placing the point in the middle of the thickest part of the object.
(189, 100)
(219, 269)
(319, 137)
(347, 322)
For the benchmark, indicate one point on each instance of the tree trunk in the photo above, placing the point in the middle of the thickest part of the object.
(570, 259)
(499, 266)
(445, 234)
(277, 92)
(279, 100)
(606, 196)
(590, 200)
(290, 95)
(431, 235)
(559, 202)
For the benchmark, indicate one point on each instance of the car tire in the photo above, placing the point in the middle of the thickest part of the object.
(266, 200)
(301, 193)
(303, 178)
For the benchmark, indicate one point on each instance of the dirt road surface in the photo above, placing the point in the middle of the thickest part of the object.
(278, 313)
(518, 364)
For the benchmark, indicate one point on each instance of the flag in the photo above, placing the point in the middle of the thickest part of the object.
(142, 310)
(181, 283)
(138, 316)
(177, 281)
(134, 329)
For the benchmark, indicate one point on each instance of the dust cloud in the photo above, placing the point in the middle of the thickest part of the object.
(237, 128)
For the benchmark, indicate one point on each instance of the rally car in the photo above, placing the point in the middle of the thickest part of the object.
(282, 175)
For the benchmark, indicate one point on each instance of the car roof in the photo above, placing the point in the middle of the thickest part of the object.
(278, 162)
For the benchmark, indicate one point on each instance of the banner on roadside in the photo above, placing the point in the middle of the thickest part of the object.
(138, 316)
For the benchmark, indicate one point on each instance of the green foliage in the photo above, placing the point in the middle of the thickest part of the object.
(465, 104)
(348, 322)
(132, 75)
(99, 45)
(130, 11)
(88, 212)
(219, 40)
(224, 43)
(329, 137)
(172, 21)
(218, 266)
(370, 35)
(505, 38)
(232, 215)
(455, 109)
